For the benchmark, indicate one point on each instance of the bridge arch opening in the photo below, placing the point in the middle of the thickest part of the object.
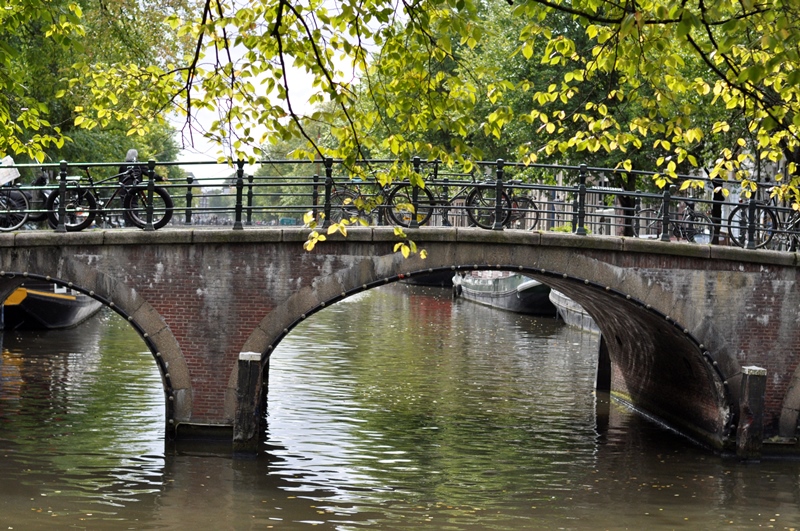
(657, 365)
(81, 296)
(426, 378)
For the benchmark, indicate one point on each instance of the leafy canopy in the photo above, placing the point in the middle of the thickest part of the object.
(400, 68)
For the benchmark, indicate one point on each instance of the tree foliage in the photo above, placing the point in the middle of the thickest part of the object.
(45, 44)
(404, 78)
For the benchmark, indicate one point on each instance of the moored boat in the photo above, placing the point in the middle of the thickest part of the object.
(573, 313)
(508, 291)
(443, 279)
(42, 305)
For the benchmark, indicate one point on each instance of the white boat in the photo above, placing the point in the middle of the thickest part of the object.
(573, 313)
(507, 291)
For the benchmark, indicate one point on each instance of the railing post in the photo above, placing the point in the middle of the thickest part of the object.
(151, 186)
(716, 209)
(446, 200)
(581, 229)
(315, 197)
(445, 195)
(62, 191)
(328, 190)
(751, 223)
(498, 197)
(551, 209)
(414, 224)
(189, 198)
(250, 180)
(637, 209)
(665, 216)
(237, 223)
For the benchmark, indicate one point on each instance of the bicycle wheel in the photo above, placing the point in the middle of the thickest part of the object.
(697, 228)
(787, 237)
(80, 206)
(37, 205)
(343, 205)
(482, 205)
(13, 209)
(765, 224)
(524, 214)
(401, 209)
(135, 204)
(647, 224)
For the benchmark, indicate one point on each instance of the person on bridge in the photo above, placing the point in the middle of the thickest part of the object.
(130, 172)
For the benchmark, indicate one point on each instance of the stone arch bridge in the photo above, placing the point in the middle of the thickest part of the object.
(681, 323)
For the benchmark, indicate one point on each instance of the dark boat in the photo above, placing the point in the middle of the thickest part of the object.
(45, 306)
(508, 291)
(443, 279)
(573, 313)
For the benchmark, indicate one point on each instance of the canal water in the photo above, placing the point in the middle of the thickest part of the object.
(395, 409)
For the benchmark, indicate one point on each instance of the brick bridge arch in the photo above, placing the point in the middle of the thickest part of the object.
(679, 321)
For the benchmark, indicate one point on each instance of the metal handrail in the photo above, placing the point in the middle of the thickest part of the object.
(247, 199)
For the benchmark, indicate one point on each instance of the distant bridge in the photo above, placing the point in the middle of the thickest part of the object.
(680, 322)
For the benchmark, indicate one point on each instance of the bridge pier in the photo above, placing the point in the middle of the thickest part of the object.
(247, 422)
(602, 380)
(749, 433)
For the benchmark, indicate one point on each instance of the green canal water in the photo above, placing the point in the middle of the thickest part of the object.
(396, 409)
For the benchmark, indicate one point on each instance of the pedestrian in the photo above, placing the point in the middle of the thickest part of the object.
(130, 172)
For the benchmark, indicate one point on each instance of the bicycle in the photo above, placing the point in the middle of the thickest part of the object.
(691, 225)
(83, 204)
(765, 224)
(13, 208)
(347, 203)
(787, 236)
(524, 212)
(479, 202)
(13, 202)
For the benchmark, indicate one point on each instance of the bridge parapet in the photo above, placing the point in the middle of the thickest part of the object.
(502, 195)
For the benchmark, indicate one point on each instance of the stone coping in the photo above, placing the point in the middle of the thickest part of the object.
(226, 235)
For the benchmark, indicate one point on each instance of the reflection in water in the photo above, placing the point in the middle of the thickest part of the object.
(82, 419)
(395, 409)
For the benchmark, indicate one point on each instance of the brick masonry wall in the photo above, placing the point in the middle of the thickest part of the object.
(205, 296)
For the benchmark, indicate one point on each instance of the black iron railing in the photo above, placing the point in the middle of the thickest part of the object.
(497, 195)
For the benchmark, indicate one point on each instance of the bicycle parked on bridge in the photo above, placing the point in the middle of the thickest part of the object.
(524, 212)
(787, 235)
(13, 208)
(83, 204)
(774, 227)
(475, 198)
(764, 228)
(14, 204)
(688, 224)
(356, 200)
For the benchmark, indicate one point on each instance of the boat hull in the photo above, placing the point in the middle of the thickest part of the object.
(573, 313)
(43, 309)
(443, 279)
(510, 292)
